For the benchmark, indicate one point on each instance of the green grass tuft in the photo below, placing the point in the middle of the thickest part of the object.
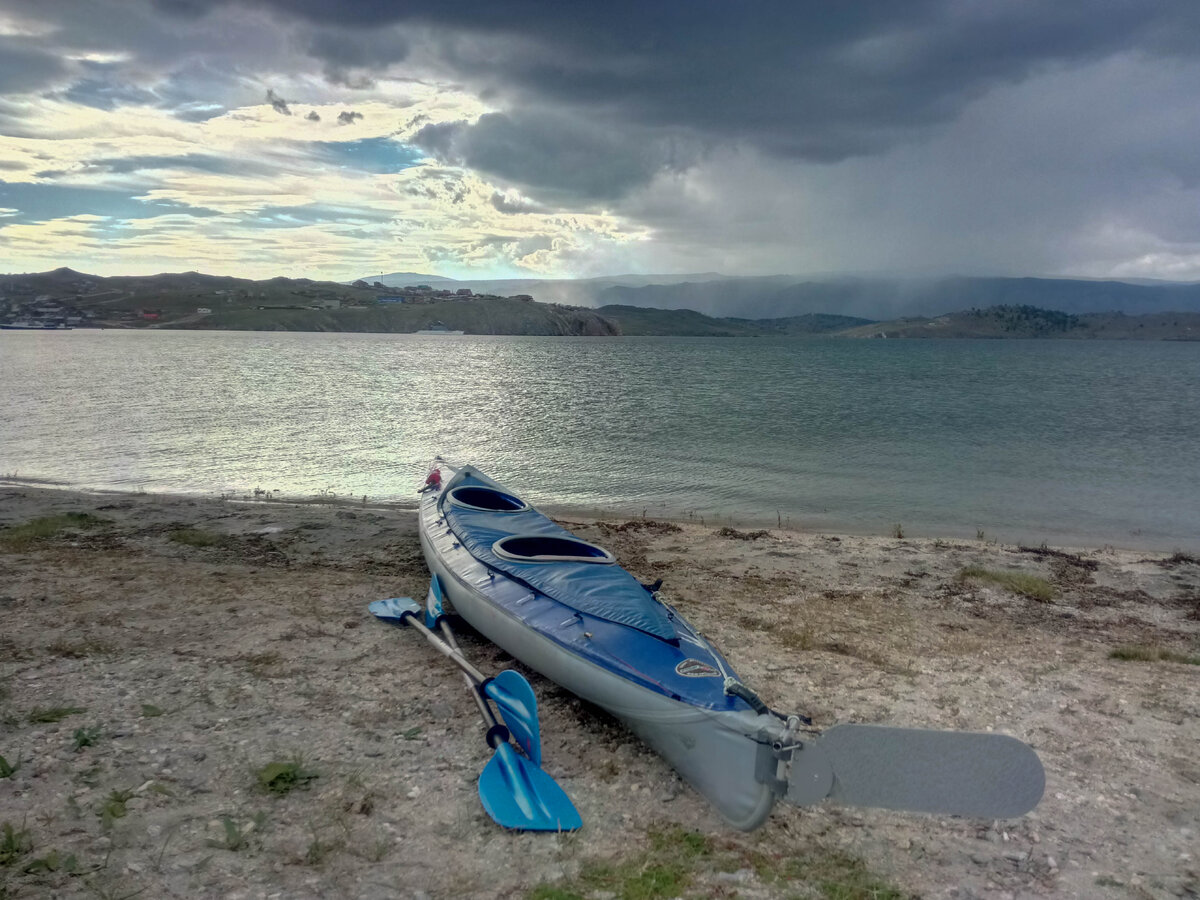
(7, 769)
(14, 843)
(86, 737)
(237, 836)
(674, 859)
(42, 715)
(81, 649)
(52, 862)
(196, 537)
(1141, 653)
(839, 876)
(113, 807)
(1022, 583)
(18, 536)
(283, 777)
(664, 869)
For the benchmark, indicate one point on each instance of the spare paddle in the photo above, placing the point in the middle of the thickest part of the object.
(514, 791)
(509, 690)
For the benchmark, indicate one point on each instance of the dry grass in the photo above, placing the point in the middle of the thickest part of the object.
(1142, 653)
(18, 537)
(1022, 583)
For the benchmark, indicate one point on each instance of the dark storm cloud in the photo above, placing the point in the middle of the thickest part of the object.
(278, 103)
(24, 68)
(347, 117)
(553, 151)
(103, 94)
(349, 55)
(313, 116)
(808, 79)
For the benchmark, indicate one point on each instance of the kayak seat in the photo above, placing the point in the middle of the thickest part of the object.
(490, 499)
(546, 548)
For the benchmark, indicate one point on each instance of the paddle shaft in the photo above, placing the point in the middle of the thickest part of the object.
(484, 710)
(451, 652)
(472, 676)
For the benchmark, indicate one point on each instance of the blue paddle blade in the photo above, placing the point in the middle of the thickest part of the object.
(394, 609)
(517, 794)
(518, 707)
(433, 603)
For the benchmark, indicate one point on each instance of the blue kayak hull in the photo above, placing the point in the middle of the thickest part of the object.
(716, 742)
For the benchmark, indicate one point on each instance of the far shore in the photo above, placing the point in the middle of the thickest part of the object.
(161, 653)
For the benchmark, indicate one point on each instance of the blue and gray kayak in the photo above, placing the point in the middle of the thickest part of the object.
(565, 608)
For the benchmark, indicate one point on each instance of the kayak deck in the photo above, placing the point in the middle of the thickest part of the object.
(686, 668)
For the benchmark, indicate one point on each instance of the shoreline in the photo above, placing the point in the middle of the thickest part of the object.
(812, 525)
(190, 642)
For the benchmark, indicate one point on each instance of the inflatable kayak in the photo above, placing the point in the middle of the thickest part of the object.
(565, 608)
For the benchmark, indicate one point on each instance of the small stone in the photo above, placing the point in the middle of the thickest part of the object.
(414, 793)
(741, 876)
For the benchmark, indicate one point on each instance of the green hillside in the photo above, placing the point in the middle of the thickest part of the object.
(1032, 322)
(474, 316)
(640, 320)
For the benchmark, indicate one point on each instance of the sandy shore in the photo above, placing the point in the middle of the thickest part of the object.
(185, 644)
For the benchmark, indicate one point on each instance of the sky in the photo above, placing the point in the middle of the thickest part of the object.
(335, 139)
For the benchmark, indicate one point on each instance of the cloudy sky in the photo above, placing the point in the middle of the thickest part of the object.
(335, 138)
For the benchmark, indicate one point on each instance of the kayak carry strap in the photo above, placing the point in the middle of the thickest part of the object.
(735, 688)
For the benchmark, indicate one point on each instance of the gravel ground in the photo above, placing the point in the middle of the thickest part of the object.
(154, 662)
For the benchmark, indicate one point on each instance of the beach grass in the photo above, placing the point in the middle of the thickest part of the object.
(674, 859)
(19, 536)
(41, 715)
(1143, 653)
(1032, 586)
(15, 842)
(196, 537)
(282, 777)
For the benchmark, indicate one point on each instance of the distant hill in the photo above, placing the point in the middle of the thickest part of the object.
(199, 301)
(636, 320)
(761, 298)
(577, 291)
(1033, 322)
(779, 296)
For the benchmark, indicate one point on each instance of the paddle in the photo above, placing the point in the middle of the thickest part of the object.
(514, 791)
(509, 690)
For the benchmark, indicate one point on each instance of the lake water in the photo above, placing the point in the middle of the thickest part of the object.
(1062, 441)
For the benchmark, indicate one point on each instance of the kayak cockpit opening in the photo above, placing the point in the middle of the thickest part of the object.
(486, 498)
(544, 548)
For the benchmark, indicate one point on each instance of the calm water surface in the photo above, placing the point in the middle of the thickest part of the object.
(1026, 440)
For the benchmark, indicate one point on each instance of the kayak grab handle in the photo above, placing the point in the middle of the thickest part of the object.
(735, 688)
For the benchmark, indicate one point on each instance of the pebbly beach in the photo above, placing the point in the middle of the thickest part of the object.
(194, 701)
